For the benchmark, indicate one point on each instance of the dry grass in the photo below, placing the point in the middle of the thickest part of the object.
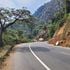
(3, 52)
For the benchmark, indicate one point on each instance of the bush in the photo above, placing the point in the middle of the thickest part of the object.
(12, 37)
(51, 29)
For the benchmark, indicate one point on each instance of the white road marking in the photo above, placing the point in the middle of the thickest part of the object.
(65, 53)
(46, 67)
(67, 48)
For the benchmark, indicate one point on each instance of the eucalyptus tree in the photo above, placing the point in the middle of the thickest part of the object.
(9, 16)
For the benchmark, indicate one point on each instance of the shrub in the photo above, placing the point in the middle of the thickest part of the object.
(12, 37)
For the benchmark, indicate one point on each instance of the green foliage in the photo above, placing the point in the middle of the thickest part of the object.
(69, 16)
(56, 23)
(68, 6)
(12, 37)
(51, 29)
(39, 27)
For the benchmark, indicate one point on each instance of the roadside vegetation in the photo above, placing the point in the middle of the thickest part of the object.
(61, 35)
(57, 29)
(12, 31)
(19, 26)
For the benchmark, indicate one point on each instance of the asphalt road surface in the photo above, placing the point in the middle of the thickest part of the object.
(40, 56)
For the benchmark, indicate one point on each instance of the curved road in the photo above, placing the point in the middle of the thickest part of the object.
(40, 56)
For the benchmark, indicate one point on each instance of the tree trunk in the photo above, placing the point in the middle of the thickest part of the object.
(1, 40)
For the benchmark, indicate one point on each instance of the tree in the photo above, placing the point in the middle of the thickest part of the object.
(9, 16)
(65, 7)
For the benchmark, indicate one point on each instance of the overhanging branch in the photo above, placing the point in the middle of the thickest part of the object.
(10, 24)
(25, 20)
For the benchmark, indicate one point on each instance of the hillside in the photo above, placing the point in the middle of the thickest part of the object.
(62, 36)
(58, 25)
(47, 11)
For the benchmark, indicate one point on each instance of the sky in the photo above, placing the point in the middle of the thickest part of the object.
(31, 5)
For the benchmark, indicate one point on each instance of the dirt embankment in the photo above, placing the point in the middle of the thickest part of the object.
(62, 36)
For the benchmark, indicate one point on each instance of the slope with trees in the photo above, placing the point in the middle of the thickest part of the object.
(56, 14)
(10, 16)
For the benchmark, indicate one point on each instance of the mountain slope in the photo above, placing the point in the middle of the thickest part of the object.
(56, 11)
(62, 36)
(48, 10)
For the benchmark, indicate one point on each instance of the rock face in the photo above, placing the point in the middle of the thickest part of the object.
(48, 10)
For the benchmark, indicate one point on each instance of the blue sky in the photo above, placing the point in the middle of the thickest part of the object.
(32, 5)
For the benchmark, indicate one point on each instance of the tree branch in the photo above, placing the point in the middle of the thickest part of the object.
(1, 24)
(10, 24)
(25, 20)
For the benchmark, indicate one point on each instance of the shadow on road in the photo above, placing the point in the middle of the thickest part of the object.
(35, 49)
(40, 49)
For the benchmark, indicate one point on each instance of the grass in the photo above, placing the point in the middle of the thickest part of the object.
(4, 50)
(4, 54)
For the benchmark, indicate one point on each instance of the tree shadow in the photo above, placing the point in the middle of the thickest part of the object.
(40, 49)
(35, 49)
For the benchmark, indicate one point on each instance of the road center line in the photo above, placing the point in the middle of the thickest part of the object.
(65, 53)
(46, 67)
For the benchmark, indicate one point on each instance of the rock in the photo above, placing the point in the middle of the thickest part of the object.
(41, 39)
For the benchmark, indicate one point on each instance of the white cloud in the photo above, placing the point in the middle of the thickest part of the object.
(7, 3)
(15, 3)
(12, 3)
(25, 1)
(32, 5)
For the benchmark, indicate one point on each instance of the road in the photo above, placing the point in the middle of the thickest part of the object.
(40, 56)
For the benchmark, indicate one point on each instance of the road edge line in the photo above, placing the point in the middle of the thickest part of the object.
(46, 67)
